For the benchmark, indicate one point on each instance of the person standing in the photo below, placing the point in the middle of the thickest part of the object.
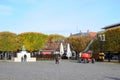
(25, 58)
(22, 60)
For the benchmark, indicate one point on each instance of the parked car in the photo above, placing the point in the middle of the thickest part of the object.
(64, 56)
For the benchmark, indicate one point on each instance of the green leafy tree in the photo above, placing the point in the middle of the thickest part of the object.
(54, 41)
(111, 43)
(113, 40)
(32, 40)
(78, 43)
(8, 41)
(95, 46)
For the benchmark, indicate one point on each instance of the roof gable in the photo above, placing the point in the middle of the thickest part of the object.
(112, 26)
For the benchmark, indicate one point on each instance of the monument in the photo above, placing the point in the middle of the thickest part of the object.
(24, 56)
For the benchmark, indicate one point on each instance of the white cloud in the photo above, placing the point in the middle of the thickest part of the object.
(5, 10)
(23, 1)
(30, 1)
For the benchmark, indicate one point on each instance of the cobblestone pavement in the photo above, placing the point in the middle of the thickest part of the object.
(48, 70)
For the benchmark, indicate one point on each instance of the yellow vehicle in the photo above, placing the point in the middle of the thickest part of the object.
(99, 56)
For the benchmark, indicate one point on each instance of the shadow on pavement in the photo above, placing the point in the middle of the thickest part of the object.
(113, 78)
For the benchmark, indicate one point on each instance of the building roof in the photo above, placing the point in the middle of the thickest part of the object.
(92, 34)
(80, 34)
(112, 26)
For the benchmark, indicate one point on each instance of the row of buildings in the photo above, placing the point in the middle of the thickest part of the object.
(109, 54)
(92, 34)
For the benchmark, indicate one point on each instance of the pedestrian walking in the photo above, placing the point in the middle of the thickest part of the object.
(57, 58)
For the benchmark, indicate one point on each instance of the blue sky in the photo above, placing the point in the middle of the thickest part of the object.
(58, 16)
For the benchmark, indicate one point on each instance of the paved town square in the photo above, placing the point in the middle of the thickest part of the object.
(66, 70)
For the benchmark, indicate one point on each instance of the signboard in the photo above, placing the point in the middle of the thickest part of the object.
(46, 52)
